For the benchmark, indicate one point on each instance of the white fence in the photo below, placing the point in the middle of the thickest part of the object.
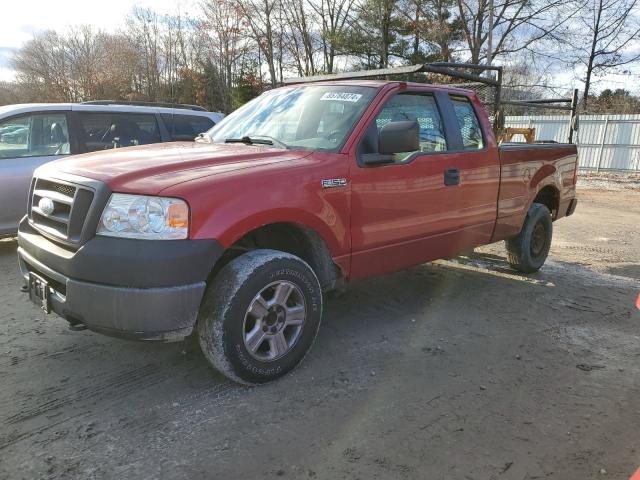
(605, 142)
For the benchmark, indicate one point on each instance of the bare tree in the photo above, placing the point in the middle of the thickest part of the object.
(336, 17)
(610, 27)
(301, 41)
(118, 70)
(224, 24)
(86, 55)
(517, 26)
(262, 17)
(82, 64)
(12, 92)
(42, 66)
(144, 32)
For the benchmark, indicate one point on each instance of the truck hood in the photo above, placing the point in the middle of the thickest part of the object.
(150, 169)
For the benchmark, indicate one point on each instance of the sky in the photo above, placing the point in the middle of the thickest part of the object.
(19, 19)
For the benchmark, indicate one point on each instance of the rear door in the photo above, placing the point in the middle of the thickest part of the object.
(26, 142)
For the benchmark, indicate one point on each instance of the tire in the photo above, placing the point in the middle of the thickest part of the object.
(260, 316)
(528, 251)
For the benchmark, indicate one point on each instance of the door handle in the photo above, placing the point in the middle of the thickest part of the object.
(451, 177)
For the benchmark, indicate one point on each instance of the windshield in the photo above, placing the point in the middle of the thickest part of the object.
(315, 117)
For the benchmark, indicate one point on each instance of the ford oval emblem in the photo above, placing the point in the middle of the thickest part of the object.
(46, 206)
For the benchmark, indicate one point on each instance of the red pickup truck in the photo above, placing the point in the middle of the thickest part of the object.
(306, 187)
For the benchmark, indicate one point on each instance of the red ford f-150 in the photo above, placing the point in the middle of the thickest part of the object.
(306, 187)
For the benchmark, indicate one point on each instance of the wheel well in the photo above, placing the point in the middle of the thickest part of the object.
(292, 238)
(550, 197)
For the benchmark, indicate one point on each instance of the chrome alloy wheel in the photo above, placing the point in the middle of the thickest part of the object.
(274, 321)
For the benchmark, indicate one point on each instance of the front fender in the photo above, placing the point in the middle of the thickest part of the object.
(329, 229)
(227, 207)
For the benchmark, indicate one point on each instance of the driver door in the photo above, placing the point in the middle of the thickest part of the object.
(405, 212)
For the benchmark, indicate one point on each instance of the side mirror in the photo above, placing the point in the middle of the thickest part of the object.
(398, 137)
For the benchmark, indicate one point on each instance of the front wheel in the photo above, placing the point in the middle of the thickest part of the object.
(528, 251)
(260, 316)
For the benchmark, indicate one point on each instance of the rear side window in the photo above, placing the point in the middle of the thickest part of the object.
(186, 127)
(468, 124)
(424, 110)
(102, 131)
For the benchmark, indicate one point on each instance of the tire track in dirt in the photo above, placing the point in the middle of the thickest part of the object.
(109, 392)
(16, 359)
(115, 387)
(589, 250)
(16, 437)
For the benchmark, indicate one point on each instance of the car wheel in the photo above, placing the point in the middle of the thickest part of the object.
(528, 251)
(260, 316)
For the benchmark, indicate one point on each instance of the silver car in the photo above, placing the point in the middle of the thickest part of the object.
(33, 134)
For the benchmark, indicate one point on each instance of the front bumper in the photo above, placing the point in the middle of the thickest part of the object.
(142, 289)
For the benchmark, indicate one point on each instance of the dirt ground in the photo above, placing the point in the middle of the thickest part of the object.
(454, 370)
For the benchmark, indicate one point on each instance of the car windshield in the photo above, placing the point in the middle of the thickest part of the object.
(314, 117)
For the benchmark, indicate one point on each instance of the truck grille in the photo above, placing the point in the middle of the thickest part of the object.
(59, 209)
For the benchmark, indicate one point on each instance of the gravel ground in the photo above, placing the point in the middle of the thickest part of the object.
(459, 369)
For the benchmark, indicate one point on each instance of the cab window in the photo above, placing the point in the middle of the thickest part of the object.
(468, 124)
(424, 110)
(38, 135)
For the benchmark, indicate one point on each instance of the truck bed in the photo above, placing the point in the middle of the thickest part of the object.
(525, 169)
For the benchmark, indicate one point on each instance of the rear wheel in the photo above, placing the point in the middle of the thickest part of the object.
(260, 316)
(528, 251)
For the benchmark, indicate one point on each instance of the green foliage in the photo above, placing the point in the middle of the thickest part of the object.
(247, 87)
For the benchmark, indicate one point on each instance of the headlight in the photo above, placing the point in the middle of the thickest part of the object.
(139, 216)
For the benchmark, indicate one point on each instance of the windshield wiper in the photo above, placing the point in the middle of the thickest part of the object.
(257, 140)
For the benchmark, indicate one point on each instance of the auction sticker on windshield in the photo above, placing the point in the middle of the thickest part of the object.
(341, 96)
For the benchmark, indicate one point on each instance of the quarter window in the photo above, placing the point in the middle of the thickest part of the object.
(41, 135)
(102, 131)
(468, 124)
(424, 110)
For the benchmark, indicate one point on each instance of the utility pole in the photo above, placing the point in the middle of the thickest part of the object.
(490, 35)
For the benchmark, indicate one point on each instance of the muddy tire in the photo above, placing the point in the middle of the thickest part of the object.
(260, 316)
(528, 251)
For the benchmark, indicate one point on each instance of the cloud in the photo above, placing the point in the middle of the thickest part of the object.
(7, 74)
(6, 57)
(30, 29)
(21, 19)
